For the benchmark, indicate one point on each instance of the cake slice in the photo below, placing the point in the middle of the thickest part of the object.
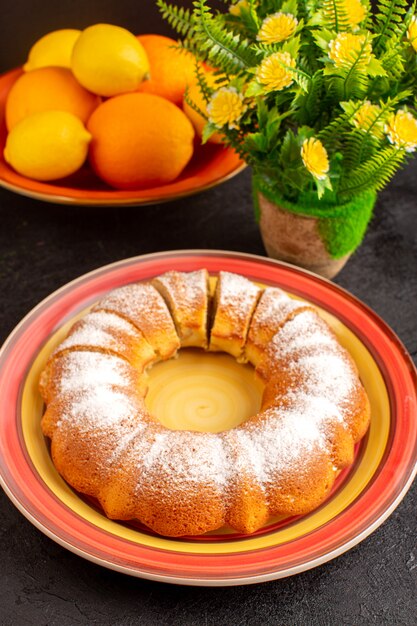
(274, 308)
(143, 306)
(187, 297)
(235, 300)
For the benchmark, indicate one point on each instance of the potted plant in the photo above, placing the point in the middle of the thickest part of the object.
(318, 97)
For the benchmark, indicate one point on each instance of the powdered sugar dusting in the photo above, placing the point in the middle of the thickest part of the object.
(283, 441)
(107, 319)
(99, 408)
(189, 289)
(90, 337)
(144, 307)
(84, 370)
(140, 303)
(237, 294)
(186, 294)
(187, 458)
(302, 332)
(95, 392)
(327, 375)
(272, 310)
(123, 441)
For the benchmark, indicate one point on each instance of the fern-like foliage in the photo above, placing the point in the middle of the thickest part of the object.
(389, 18)
(374, 174)
(205, 88)
(348, 83)
(307, 103)
(247, 22)
(350, 79)
(334, 15)
(334, 133)
(222, 48)
(181, 19)
(268, 110)
(359, 146)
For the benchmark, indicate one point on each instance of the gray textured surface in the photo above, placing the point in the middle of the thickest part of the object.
(41, 248)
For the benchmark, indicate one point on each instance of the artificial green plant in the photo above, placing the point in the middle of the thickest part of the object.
(318, 96)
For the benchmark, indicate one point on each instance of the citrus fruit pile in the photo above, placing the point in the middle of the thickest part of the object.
(108, 98)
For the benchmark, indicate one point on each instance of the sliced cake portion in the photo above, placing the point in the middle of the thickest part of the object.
(102, 333)
(235, 300)
(143, 306)
(187, 297)
(305, 357)
(274, 308)
(79, 370)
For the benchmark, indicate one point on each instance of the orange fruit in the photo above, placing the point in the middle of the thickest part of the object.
(139, 140)
(171, 70)
(48, 89)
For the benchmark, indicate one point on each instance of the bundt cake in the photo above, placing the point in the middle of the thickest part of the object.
(282, 461)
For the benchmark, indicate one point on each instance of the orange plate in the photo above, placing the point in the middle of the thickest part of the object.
(210, 166)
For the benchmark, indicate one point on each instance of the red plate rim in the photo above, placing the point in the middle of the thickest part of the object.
(374, 504)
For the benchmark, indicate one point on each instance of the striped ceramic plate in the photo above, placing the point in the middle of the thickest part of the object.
(362, 499)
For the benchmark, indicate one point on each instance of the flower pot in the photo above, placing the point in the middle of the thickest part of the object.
(320, 243)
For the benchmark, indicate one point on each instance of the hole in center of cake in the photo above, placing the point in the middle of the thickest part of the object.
(203, 391)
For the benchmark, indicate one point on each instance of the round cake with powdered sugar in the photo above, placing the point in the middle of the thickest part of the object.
(282, 461)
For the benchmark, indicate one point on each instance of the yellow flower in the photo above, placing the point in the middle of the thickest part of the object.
(412, 32)
(226, 107)
(277, 27)
(401, 129)
(235, 9)
(273, 73)
(315, 158)
(366, 115)
(354, 11)
(344, 49)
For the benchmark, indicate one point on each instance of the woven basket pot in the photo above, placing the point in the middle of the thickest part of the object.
(322, 244)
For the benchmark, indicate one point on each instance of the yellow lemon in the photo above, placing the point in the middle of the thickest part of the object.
(109, 60)
(47, 145)
(53, 49)
(198, 121)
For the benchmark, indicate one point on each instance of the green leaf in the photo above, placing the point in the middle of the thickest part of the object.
(322, 38)
(208, 130)
(292, 46)
(374, 174)
(389, 18)
(180, 19)
(290, 6)
(290, 150)
(322, 185)
(257, 142)
(262, 112)
(308, 103)
(254, 89)
(375, 68)
(334, 15)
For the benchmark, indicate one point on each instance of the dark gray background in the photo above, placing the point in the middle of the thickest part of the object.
(44, 246)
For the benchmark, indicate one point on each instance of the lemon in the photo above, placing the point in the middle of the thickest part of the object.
(53, 49)
(108, 60)
(47, 145)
